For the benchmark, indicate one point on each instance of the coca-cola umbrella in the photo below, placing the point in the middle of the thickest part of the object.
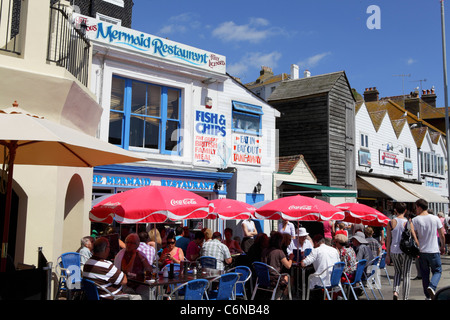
(151, 204)
(361, 213)
(299, 208)
(231, 209)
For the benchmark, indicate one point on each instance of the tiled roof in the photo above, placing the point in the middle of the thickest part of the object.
(287, 164)
(306, 86)
(267, 80)
(425, 110)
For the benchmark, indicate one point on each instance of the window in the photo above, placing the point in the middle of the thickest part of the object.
(431, 163)
(364, 141)
(407, 153)
(108, 19)
(119, 3)
(144, 116)
(246, 118)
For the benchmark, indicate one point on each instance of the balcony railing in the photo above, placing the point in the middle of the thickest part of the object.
(67, 45)
(9, 25)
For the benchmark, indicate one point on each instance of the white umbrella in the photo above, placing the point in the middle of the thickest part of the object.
(32, 140)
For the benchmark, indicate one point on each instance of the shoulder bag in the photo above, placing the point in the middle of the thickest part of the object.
(407, 243)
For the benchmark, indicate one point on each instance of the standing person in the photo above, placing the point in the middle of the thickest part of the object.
(442, 218)
(402, 262)
(287, 227)
(424, 230)
(328, 231)
(182, 238)
(249, 232)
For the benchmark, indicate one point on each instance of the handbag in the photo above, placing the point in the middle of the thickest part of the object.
(407, 243)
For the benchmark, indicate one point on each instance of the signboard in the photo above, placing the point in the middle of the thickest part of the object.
(388, 158)
(118, 36)
(210, 133)
(407, 167)
(364, 158)
(246, 149)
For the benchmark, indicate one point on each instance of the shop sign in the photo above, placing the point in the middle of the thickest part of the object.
(114, 35)
(388, 158)
(210, 148)
(246, 149)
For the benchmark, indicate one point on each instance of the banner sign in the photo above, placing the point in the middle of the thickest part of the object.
(246, 149)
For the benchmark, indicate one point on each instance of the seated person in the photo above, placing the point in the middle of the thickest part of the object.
(87, 243)
(193, 248)
(215, 248)
(171, 254)
(300, 244)
(104, 273)
(232, 245)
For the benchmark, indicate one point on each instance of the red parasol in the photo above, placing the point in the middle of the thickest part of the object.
(361, 213)
(151, 204)
(299, 208)
(230, 209)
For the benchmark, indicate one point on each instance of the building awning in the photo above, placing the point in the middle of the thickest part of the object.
(421, 191)
(324, 191)
(390, 189)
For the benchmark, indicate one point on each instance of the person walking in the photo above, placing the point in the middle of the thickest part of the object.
(402, 262)
(424, 229)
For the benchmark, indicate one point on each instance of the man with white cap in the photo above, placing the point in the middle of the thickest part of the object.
(301, 242)
(361, 247)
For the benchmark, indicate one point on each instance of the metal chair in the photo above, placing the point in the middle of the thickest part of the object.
(335, 280)
(357, 281)
(245, 275)
(263, 279)
(226, 288)
(69, 274)
(208, 262)
(193, 290)
(382, 265)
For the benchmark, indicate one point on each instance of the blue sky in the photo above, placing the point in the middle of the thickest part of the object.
(319, 35)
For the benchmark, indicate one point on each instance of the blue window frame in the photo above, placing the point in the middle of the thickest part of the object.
(246, 118)
(145, 116)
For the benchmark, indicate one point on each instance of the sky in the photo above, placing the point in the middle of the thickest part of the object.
(393, 45)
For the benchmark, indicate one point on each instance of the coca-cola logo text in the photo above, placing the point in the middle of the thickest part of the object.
(304, 207)
(182, 202)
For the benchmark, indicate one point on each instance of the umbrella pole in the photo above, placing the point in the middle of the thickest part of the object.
(12, 154)
(298, 243)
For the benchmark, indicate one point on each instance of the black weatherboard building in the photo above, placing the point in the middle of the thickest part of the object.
(318, 121)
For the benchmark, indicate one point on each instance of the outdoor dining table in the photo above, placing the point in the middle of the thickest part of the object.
(305, 272)
(179, 278)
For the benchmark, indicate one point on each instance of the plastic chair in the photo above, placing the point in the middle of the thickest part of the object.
(208, 262)
(357, 282)
(382, 265)
(225, 290)
(443, 294)
(193, 290)
(263, 279)
(69, 274)
(245, 275)
(90, 289)
(335, 280)
(373, 277)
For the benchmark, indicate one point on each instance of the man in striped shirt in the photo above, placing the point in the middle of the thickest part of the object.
(104, 273)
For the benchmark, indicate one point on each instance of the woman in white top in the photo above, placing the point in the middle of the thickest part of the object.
(287, 227)
(402, 262)
(249, 231)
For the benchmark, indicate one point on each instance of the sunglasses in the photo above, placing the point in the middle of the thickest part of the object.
(171, 242)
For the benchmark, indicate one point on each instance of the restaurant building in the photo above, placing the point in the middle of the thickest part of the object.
(400, 156)
(199, 128)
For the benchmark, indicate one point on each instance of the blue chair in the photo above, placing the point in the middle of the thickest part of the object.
(335, 280)
(69, 274)
(90, 290)
(382, 265)
(357, 281)
(263, 282)
(225, 290)
(193, 290)
(208, 262)
(245, 275)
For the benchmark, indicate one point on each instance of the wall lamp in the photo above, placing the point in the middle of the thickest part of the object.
(391, 147)
(209, 81)
(218, 184)
(257, 188)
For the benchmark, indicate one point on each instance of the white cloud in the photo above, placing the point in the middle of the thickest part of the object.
(254, 60)
(181, 23)
(313, 61)
(410, 61)
(255, 31)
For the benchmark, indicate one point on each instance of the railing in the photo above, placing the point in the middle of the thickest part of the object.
(67, 45)
(9, 25)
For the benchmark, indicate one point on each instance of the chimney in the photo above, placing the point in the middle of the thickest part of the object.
(307, 74)
(412, 103)
(371, 94)
(265, 72)
(429, 97)
(294, 71)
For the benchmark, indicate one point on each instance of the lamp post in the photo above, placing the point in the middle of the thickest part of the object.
(447, 127)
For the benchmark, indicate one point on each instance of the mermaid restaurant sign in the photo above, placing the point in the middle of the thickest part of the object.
(134, 40)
